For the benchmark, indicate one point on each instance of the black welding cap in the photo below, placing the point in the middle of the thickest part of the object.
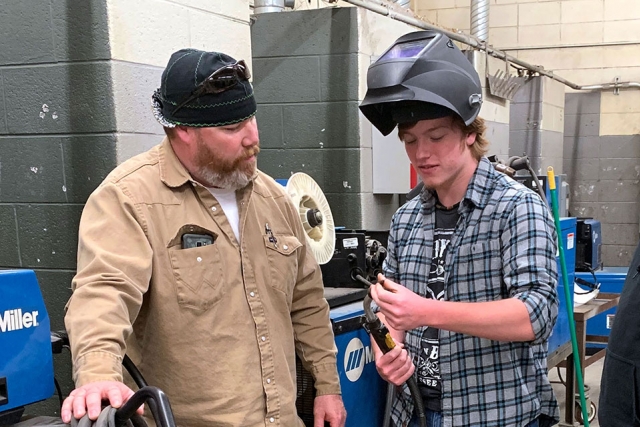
(423, 75)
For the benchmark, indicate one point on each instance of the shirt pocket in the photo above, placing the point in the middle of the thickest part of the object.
(198, 273)
(479, 267)
(282, 256)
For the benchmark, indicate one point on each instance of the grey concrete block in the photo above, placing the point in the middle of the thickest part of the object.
(621, 212)
(307, 32)
(582, 147)
(621, 147)
(55, 286)
(619, 191)
(525, 116)
(293, 79)
(582, 125)
(498, 136)
(271, 126)
(339, 77)
(552, 145)
(132, 144)
(3, 114)
(26, 32)
(619, 169)
(342, 171)
(525, 142)
(80, 30)
(67, 98)
(582, 169)
(531, 91)
(585, 191)
(585, 210)
(582, 103)
(327, 125)
(619, 234)
(134, 84)
(346, 209)
(10, 254)
(48, 235)
(87, 161)
(281, 164)
(378, 210)
(617, 255)
(32, 170)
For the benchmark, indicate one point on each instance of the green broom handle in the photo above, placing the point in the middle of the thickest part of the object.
(567, 296)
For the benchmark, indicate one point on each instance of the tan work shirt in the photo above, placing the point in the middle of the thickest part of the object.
(216, 327)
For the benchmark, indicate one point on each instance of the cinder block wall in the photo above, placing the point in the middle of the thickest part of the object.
(75, 85)
(604, 173)
(310, 72)
(57, 141)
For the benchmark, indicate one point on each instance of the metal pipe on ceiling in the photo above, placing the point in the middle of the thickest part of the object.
(386, 10)
(267, 6)
(480, 19)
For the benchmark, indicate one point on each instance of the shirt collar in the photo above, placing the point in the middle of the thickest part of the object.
(478, 191)
(172, 171)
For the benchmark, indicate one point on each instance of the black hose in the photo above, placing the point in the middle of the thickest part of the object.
(163, 416)
(380, 333)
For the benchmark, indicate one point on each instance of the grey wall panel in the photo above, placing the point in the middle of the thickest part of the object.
(3, 114)
(339, 77)
(281, 164)
(615, 255)
(270, 126)
(9, 255)
(134, 84)
(615, 212)
(498, 136)
(321, 125)
(26, 32)
(48, 235)
(582, 125)
(346, 209)
(619, 169)
(582, 147)
(80, 30)
(87, 161)
(32, 170)
(582, 103)
(299, 33)
(129, 145)
(291, 79)
(620, 146)
(68, 98)
(620, 234)
(619, 191)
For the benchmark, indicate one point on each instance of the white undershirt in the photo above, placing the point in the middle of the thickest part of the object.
(229, 204)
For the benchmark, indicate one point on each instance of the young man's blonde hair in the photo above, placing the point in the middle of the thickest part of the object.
(478, 149)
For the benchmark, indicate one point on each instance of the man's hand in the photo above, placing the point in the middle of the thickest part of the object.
(329, 407)
(89, 397)
(403, 309)
(396, 366)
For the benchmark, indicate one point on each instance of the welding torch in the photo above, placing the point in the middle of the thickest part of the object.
(381, 335)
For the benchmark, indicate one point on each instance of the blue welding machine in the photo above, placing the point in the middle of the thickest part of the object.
(26, 361)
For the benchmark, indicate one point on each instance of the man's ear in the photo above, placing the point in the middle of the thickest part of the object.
(470, 138)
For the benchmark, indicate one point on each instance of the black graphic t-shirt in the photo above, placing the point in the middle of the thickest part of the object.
(428, 368)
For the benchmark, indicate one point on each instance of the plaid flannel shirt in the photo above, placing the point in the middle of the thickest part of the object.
(504, 246)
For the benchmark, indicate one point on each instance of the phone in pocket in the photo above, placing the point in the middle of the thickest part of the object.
(192, 240)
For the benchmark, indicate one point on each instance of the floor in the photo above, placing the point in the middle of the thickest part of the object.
(592, 381)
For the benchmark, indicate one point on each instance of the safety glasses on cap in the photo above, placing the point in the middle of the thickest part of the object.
(219, 81)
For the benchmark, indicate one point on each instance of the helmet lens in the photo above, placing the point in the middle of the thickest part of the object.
(409, 49)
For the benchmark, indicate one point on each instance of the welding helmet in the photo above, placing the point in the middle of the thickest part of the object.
(423, 75)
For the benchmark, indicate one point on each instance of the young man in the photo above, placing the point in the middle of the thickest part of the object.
(470, 275)
(195, 264)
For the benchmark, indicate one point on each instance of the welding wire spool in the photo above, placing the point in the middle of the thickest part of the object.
(315, 215)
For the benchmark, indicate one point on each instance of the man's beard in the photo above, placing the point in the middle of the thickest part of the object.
(228, 174)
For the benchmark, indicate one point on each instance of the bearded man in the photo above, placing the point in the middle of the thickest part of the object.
(195, 264)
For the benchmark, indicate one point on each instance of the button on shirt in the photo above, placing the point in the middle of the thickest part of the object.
(213, 326)
(504, 246)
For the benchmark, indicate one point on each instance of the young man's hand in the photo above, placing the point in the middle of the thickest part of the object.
(395, 366)
(403, 309)
(89, 397)
(329, 407)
